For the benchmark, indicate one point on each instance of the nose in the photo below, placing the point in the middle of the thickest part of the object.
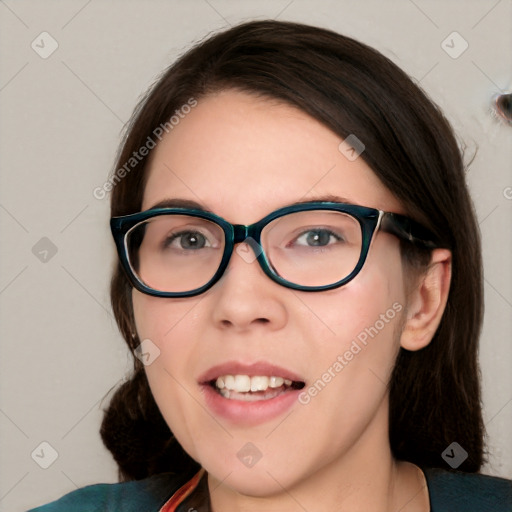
(245, 298)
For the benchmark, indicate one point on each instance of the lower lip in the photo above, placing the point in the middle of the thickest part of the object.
(249, 413)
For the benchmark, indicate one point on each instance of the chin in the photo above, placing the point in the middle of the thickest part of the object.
(258, 485)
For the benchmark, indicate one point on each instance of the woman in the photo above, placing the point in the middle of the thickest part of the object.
(300, 280)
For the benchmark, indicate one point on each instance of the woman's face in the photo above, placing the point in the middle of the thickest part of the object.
(243, 157)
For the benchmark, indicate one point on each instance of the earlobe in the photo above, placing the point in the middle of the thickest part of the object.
(427, 302)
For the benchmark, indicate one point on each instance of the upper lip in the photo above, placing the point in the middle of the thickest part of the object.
(252, 370)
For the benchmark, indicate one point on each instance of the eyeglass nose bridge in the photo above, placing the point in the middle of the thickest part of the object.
(241, 232)
(249, 235)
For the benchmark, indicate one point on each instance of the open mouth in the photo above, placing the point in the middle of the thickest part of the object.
(253, 388)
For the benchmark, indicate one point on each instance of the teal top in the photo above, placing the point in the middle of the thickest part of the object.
(449, 491)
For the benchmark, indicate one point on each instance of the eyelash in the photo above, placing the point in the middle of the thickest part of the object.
(330, 232)
(175, 236)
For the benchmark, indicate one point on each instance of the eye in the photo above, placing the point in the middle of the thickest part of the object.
(318, 238)
(188, 240)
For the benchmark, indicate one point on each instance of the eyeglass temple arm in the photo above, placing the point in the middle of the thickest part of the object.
(407, 229)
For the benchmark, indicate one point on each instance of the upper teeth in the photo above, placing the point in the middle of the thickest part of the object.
(244, 383)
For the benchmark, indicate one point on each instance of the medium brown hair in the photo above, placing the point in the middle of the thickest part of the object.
(351, 89)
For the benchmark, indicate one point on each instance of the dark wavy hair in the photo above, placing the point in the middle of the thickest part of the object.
(351, 89)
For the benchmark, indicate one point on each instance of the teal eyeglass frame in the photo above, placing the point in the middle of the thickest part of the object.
(370, 220)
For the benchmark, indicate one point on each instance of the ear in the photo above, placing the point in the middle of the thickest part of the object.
(427, 302)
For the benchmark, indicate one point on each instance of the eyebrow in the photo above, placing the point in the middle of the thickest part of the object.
(194, 205)
(180, 203)
(329, 198)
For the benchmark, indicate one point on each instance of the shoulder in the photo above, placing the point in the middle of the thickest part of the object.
(147, 495)
(455, 491)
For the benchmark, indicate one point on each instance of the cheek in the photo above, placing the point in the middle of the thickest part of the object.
(165, 328)
(356, 335)
(368, 306)
(157, 318)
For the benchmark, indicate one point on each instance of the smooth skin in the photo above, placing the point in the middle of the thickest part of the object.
(242, 157)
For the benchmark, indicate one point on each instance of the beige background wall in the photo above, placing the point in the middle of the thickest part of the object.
(60, 121)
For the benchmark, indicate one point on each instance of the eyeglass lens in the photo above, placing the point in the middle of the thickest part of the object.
(180, 253)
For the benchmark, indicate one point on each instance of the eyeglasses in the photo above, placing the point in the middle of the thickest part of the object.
(314, 246)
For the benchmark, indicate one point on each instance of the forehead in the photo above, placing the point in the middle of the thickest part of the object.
(242, 156)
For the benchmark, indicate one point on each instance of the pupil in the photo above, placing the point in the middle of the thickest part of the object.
(318, 238)
(192, 241)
